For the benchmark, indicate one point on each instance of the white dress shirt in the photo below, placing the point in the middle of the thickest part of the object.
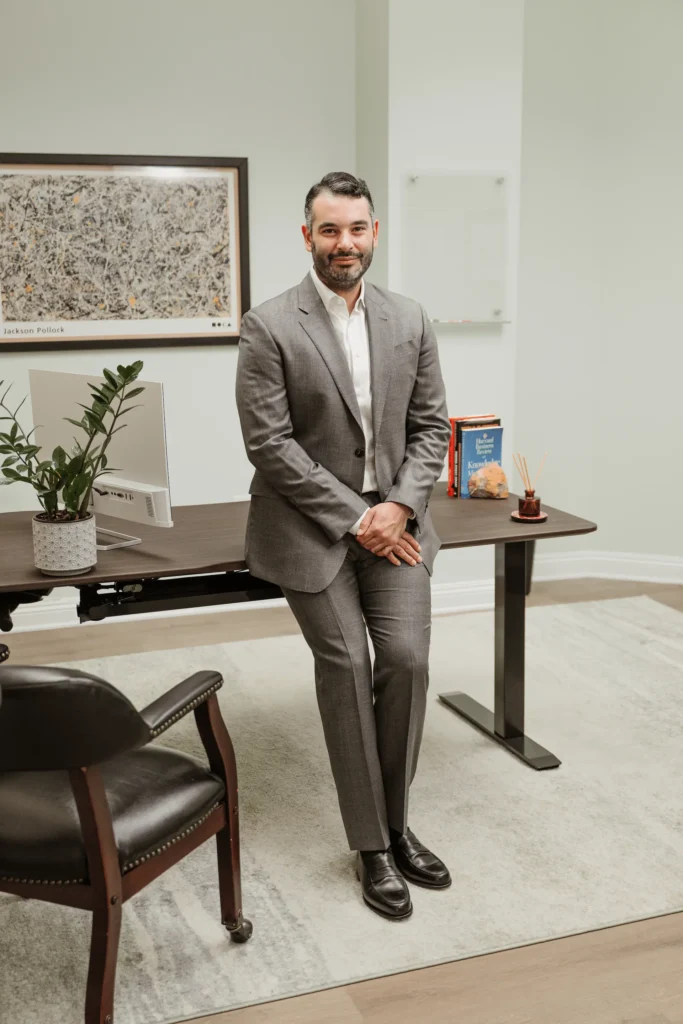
(352, 332)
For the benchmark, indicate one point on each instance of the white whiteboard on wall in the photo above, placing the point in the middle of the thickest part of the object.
(454, 245)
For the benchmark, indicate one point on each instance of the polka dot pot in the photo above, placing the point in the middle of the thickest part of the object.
(64, 548)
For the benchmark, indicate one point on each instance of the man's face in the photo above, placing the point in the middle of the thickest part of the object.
(341, 239)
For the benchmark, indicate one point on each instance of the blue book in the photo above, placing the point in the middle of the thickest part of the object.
(478, 446)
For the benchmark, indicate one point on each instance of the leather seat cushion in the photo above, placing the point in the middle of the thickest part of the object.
(154, 795)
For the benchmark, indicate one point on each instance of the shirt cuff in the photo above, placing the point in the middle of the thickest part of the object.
(354, 529)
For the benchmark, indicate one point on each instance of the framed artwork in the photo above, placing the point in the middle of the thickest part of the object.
(114, 251)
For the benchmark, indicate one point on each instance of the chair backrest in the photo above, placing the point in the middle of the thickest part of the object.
(53, 718)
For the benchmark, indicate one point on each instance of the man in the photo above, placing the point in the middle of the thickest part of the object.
(343, 413)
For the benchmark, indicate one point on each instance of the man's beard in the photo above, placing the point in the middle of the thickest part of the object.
(341, 275)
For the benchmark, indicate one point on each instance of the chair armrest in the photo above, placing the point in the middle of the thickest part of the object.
(168, 709)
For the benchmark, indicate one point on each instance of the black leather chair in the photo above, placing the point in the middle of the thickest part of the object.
(91, 812)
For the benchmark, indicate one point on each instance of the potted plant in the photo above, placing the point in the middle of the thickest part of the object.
(64, 538)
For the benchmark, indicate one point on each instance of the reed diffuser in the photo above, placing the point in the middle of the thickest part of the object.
(529, 505)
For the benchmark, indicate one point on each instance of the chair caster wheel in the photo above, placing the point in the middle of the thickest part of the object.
(242, 931)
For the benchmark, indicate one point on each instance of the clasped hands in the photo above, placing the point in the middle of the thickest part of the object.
(383, 531)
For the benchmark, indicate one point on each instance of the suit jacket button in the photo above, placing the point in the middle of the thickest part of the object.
(360, 453)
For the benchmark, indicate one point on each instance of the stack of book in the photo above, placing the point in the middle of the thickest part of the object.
(475, 441)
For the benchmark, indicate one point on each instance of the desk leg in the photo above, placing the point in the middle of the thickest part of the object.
(530, 552)
(506, 723)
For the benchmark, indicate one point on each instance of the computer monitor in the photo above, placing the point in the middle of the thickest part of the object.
(139, 490)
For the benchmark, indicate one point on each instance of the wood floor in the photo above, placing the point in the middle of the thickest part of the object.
(631, 974)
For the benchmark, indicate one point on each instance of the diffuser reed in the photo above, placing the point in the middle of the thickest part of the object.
(523, 470)
(529, 505)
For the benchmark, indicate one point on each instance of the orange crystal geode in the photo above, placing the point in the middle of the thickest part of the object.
(488, 482)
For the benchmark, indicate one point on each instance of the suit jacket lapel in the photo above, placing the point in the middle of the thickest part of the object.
(316, 322)
(381, 338)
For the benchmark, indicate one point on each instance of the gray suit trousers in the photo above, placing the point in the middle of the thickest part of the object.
(372, 716)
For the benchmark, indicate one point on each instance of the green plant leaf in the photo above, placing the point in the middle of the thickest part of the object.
(50, 502)
(111, 379)
(87, 408)
(134, 392)
(104, 394)
(72, 469)
(95, 423)
(10, 460)
(13, 475)
(80, 484)
(77, 423)
(92, 416)
(129, 373)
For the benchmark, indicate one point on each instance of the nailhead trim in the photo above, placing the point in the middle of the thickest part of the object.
(42, 881)
(184, 710)
(171, 842)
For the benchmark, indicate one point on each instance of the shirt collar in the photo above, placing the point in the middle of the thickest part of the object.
(331, 300)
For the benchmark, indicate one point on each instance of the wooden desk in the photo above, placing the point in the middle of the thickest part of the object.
(206, 548)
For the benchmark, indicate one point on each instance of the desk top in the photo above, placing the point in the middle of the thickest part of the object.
(210, 538)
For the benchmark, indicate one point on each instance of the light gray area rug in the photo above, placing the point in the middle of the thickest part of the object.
(534, 855)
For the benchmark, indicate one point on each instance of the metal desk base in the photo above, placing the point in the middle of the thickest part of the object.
(505, 724)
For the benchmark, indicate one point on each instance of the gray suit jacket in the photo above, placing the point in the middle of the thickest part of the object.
(303, 434)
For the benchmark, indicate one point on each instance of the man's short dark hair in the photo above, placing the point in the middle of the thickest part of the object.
(338, 183)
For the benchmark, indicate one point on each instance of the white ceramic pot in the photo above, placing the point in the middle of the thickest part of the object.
(67, 548)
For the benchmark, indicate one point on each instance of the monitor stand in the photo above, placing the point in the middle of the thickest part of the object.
(125, 540)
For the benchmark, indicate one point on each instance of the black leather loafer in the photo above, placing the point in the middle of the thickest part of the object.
(384, 889)
(417, 863)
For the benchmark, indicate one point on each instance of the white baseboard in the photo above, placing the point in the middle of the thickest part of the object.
(609, 565)
(59, 609)
(53, 612)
